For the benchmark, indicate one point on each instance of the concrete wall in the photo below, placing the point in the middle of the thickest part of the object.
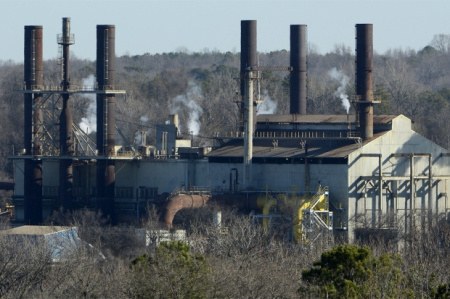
(165, 174)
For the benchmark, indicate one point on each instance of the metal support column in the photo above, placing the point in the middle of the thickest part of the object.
(248, 133)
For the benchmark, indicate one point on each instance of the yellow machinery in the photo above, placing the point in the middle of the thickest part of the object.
(313, 217)
(265, 203)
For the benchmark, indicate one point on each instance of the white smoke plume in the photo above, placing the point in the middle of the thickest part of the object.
(268, 106)
(138, 133)
(340, 92)
(188, 102)
(89, 123)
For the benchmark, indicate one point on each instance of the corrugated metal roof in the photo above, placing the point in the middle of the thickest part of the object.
(35, 230)
(291, 148)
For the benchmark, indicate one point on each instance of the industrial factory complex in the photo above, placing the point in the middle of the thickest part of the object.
(351, 174)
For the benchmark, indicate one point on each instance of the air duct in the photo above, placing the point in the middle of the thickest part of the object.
(33, 77)
(364, 78)
(179, 202)
(298, 62)
(106, 66)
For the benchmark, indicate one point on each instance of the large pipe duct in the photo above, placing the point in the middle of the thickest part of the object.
(33, 77)
(106, 66)
(364, 78)
(298, 61)
(179, 202)
(265, 203)
(66, 122)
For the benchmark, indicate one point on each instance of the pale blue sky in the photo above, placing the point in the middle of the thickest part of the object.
(157, 26)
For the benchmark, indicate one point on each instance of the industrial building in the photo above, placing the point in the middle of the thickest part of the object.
(377, 172)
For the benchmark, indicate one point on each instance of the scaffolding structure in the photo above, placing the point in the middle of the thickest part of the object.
(387, 211)
(50, 108)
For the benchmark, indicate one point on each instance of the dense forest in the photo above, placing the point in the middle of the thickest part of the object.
(202, 88)
(237, 260)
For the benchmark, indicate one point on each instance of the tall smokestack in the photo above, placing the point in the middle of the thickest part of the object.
(364, 78)
(33, 77)
(249, 58)
(66, 121)
(106, 114)
(298, 62)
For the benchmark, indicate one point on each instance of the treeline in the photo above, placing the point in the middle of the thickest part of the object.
(237, 260)
(203, 87)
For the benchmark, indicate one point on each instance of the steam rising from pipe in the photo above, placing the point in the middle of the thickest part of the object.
(89, 123)
(138, 133)
(188, 102)
(340, 92)
(268, 106)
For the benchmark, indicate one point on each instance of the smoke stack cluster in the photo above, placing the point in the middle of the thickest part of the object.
(298, 91)
(364, 78)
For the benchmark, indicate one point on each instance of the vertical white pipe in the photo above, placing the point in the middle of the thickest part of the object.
(248, 134)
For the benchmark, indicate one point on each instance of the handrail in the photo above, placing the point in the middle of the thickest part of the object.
(193, 190)
(316, 198)
(291, 134)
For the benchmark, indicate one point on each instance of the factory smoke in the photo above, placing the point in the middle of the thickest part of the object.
(340, 92)
(138, 134)
(268, 106)
(188, 103)
(89, 123)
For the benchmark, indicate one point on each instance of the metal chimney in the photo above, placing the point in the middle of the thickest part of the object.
(249, 55)
(364, 78)
(249, 59)
(298, 61)
(106, 67)
(66, 121)
(33, 77)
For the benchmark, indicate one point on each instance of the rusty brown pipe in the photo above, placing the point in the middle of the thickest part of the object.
(179, 202)
(33, 78)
